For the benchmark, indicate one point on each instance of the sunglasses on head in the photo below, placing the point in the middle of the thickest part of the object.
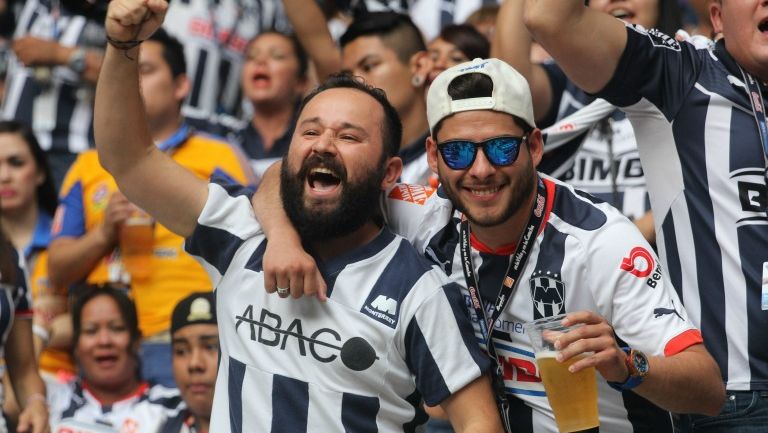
(500, 151)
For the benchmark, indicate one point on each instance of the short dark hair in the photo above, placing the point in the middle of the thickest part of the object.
(86, 293)
(474, 85)
(397, 32)
(391, 128)
(298, 50)
(467, 39)
(47, 199)
(173, 52)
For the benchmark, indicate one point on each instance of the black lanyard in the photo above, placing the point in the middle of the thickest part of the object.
(516, 265)
(755, 96)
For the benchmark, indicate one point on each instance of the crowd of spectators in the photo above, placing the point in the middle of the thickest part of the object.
(221, 87)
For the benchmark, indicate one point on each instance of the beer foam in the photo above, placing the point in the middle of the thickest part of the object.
(546, 354)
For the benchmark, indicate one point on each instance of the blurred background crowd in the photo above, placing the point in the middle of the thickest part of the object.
(221, 86)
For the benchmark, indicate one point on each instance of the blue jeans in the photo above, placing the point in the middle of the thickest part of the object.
(743, 412)
(156, 364)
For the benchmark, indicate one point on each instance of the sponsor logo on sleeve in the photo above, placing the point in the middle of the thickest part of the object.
(639, 262)
(664, 311)
(411, 193)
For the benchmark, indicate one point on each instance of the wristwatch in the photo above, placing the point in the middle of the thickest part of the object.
(637, 365)
(76, 61)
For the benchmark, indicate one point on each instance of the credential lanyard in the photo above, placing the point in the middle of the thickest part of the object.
(514, 269)
(755, 96)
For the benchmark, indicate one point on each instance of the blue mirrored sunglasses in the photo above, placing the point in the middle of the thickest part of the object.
(500, 151)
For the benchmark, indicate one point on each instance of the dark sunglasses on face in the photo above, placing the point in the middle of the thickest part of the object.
(500, 151)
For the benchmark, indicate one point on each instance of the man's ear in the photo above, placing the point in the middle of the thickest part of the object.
(183, 87)
(420, 65)
(432, 153)
(715, 16)
(535, 145)
(392, 171)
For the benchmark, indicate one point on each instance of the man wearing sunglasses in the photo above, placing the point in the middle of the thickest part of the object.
(524, 246)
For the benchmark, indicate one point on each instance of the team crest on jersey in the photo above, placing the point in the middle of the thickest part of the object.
(548, 294)
(411, 193)
(658, 38)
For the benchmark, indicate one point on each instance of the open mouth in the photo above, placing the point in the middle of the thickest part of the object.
(763, 26)
(323, 179)
(106, 360)
(261, 79)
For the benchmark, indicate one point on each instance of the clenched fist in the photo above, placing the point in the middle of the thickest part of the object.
(129, 20)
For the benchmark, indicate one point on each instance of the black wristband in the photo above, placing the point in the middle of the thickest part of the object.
(124, 45)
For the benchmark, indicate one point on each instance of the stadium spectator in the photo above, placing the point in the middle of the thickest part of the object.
(604, 161)
(16, 345)
(109, 393)
(215, 35)
(493, 210)
(384, 48)
(195, 343)
(341, 157)
(28, 204)
(57, 48)
(93, 213)
(273, 80)
(700, 127)
(457, 43)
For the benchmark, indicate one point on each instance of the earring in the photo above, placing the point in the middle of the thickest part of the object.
(417, 81)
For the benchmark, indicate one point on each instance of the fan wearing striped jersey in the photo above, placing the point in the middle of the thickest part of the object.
(702, 134)
(586, 260)
(366, 358)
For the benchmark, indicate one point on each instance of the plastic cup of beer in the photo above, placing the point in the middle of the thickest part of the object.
(572, 396)
(137, 241)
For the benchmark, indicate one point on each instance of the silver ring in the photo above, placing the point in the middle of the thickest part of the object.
(283, 290)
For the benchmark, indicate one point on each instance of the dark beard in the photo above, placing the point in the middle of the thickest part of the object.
(359, 201)
(522, 187)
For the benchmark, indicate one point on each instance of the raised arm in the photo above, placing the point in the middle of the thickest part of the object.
(310, 26)
(512, 43)
(146, 175)
(586, 44)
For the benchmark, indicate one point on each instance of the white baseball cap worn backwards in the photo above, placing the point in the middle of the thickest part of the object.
(510, 95)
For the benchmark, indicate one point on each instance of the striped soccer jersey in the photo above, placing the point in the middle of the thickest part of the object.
(587, 257)
(704, 163)
(60, 108)
(72, 405)
(391, 334)
(596, 151)
(215, 34)
(15, 303)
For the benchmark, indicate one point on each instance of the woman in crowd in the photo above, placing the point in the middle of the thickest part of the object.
(109, 390)
(16, 344)
(28, 204)
(273, 79)
(456, 43)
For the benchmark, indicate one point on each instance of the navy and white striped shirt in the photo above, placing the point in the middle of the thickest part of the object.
(586, 257)
(392, 333)
(703, 160)
(60, 109)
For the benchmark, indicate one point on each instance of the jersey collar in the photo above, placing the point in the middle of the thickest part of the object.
(177, 139)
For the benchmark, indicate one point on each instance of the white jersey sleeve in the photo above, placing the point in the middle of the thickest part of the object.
(227, 220)
(633, 293)
(417, 212)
